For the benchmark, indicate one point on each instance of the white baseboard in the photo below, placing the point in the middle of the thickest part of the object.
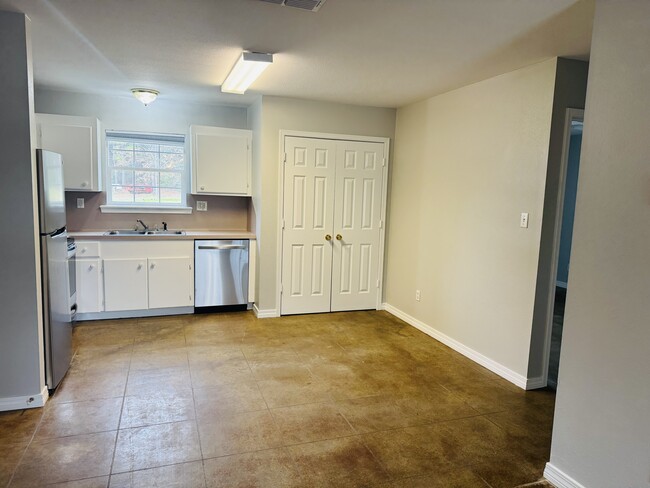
(559, 478)
(265, 314)
(477, 357)
(21, 402)
(535, 383)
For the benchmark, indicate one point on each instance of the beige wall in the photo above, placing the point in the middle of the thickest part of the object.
(601, 432)
(466, 164)
(254, 117)
(279, 113)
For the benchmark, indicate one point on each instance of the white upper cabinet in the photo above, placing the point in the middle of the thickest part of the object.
(221, 161)
(77, 140)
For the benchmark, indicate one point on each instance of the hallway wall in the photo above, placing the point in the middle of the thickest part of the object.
(601, 432)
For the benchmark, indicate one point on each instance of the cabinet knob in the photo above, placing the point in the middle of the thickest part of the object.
(203, 188)
(153, 265)
(84, 184)
(328, 237)
(339, 237)
(139, 266)
(91, 267)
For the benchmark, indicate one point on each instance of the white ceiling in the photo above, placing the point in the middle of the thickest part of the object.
(370, 52)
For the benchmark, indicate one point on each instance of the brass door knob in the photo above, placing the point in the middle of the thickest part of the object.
(328, 237)
(339, 237)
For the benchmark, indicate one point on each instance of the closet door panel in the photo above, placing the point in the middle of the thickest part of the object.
(357, 216)
(308, 218)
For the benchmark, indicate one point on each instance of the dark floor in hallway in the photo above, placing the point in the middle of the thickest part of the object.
(556, 336)
(339, 400)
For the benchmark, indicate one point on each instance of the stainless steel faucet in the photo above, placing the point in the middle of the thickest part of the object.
(146, 227)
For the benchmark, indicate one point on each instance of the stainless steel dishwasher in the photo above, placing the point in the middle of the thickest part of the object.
(220, 275)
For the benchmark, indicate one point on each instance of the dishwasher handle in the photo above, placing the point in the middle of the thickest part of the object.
(221, 248)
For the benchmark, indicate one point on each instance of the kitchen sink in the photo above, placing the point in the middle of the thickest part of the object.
(165, 233)
(145, 233)
(125, 233)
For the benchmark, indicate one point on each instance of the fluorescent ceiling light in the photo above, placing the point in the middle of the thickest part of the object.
(246, 70)
(145, 95)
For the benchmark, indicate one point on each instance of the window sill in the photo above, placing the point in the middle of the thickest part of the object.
(138, 209)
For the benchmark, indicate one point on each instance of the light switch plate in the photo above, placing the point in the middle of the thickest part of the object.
(201, 206)
(81, 202)
(523, 222)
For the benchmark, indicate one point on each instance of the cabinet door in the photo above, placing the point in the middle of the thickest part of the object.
(170, 282)
(76, 139)
(221, 161)
(89, 286)
(125, 284)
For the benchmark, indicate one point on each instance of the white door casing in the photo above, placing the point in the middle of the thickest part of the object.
(332, 187)
(357, 217)
(308, 219)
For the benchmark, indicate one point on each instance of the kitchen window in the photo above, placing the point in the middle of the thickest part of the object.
(145, 171)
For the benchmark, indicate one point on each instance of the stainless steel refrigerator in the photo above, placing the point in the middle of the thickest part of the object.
(57, 307)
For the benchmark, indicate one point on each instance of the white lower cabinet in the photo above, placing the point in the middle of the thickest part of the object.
(125, 284)
(169, 282)
(90, 290)
(137, 276)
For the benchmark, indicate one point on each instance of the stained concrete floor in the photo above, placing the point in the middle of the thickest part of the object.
(356, 399)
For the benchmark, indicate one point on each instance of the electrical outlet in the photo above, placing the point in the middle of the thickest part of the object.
(417, 295)
(201, 206)
(81, 202)
(523, 221)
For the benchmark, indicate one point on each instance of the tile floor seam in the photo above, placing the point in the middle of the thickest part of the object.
(119, 422)
(22, 456)
(377, 460)
(196, 416)
(47, 439)
(472, 465)
(78, 479)
(257, 382)
(151, 468)
(29, 443)
(286, 447)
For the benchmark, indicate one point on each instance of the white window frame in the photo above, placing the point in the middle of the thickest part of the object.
(134, 207)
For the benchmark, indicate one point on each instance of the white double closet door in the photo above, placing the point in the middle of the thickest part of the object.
(332, 219)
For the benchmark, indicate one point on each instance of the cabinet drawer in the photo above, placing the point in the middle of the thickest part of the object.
(87, 249)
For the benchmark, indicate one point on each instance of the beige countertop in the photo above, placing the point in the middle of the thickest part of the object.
(189, 235)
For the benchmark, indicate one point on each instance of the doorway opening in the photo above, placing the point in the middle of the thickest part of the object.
(566, 213)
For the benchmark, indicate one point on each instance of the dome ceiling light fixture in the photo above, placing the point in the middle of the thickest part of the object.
(247, 69)
(145, 95)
